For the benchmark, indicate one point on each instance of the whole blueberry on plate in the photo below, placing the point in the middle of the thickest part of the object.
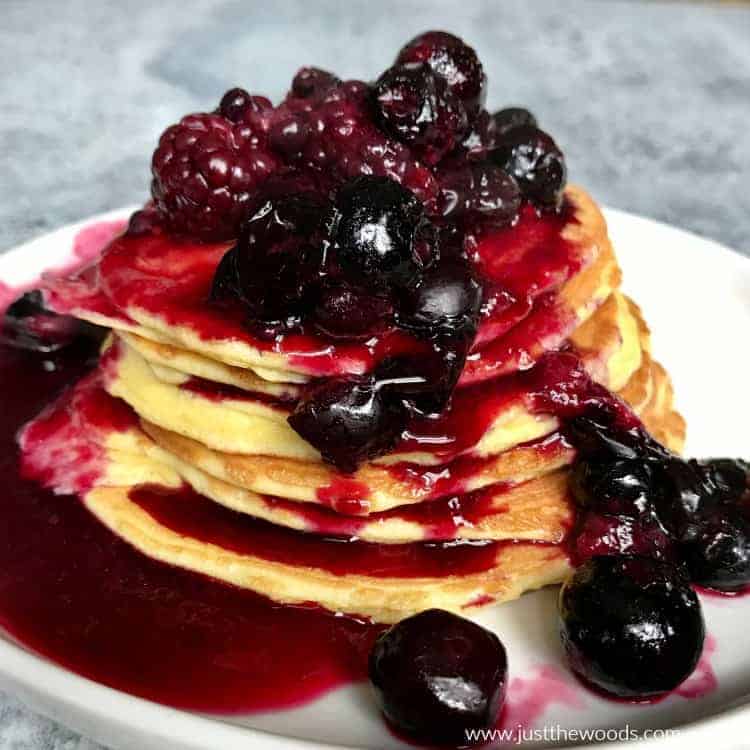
(717, 552)
(631, 626)
(437, 675)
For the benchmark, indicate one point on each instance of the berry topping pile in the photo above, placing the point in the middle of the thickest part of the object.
(354, 210)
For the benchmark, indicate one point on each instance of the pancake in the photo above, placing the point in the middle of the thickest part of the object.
(374, 488)
(496, 572)
(243, 421)
(157, 289)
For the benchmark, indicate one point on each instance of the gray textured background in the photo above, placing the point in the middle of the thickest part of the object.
(650, 101)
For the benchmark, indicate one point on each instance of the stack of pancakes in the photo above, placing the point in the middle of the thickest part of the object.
(171, 407)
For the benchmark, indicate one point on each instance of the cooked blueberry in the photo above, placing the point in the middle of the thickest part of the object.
(597, 438)
(685, 493)
(349, 420)
(28, 324)
(533, 158)
(604, 534)
(346, 311)
(729, 477)
(418, 108)
(717, 553)
(225, 283)
(379, 237)
(453, 60)
(622, 487)
(425, 382)
(444, 304)
(277, 258)
(512, 117)
(480, 192)
(631, 626)
(436, 675)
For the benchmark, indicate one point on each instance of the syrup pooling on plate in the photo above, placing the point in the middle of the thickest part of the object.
(70, 589)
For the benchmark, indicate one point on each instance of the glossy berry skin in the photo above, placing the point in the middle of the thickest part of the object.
(437, 674)
(312, 82)
(620, 487)
(27, 324)
(277, 259)
(425, 381)
(480, 193)
(717, 552)
(597, 438)
(146, 220)
(418, 108)
(686, 492)
(345, 311)
(444, 304)
(205, 172)
(377, 239)
(349, 420)
(608, 534)
(506, 119)
(454, 61)
(631, 626)
(729, 477)
(535, 161)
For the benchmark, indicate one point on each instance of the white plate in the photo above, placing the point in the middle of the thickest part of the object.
(696, 298)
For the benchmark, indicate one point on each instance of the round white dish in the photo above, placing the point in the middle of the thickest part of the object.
(696, 297)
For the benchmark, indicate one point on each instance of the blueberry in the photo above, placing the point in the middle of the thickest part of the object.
(536, 162)
(717, 552)
(436, 675)
(608, 534)
(598, 439)
(346, 311)
(453, 60)
(380, 232)
(349, 420)
(631, 626)
(425, 382)
(277, 259)
(512, 117)
(480, 192)
(28, 324)
(444, 304)
(729, 477)
(622, 487)
(418, 108)
(685, 492)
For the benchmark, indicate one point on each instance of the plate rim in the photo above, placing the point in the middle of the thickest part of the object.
(89, 706)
